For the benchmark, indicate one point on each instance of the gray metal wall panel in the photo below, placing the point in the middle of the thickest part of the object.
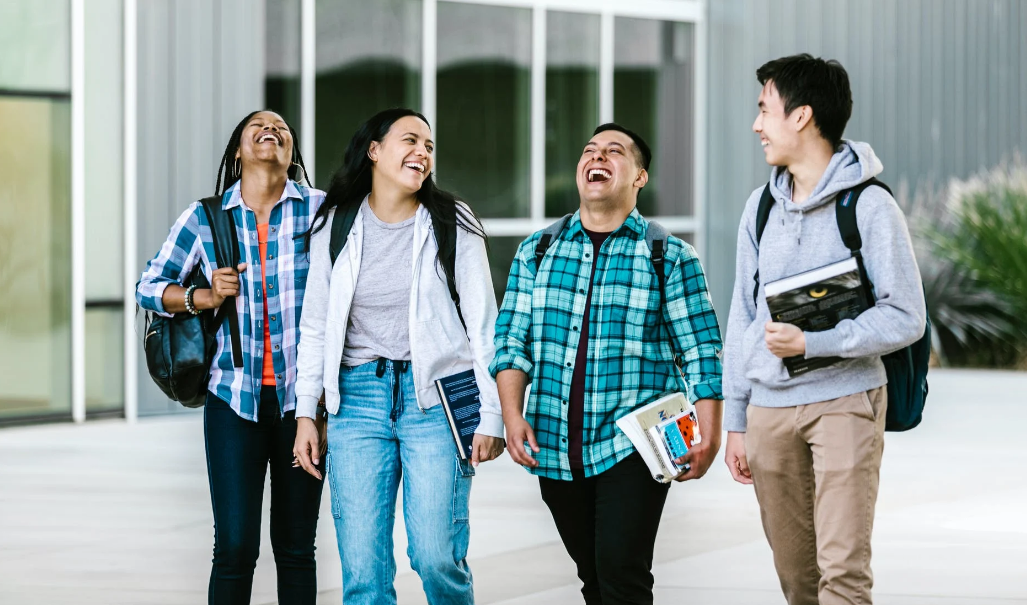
(201, 69)
(939, 88)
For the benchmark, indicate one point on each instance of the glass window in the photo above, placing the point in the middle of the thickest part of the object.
(35, 257)
(484, 106)
(368, 59)
(105, 361)
(35, 45)
(653, 93)
(572, 102)
(282, 51)
(104, 217)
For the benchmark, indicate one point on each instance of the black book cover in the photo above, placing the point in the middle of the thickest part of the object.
(460, 400)
(817, 300)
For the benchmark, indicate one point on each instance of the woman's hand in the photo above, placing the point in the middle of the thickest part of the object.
(307, 448)
(224, 283)
(485, 448)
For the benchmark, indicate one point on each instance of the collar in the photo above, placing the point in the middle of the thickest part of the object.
(233, 197)
(634, 223)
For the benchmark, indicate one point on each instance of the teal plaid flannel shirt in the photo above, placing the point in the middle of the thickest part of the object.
(630, 358)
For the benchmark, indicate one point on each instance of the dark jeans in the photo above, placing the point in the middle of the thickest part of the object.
(608, 524)
(238, 454)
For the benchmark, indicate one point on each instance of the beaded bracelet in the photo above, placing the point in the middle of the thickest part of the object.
(189, 306)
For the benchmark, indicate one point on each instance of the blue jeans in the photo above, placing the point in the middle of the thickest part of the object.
(379, 437)
(239, 453)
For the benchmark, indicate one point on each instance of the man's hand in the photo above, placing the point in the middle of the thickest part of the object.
(734, 457)
(306, 450)
(485, 448)
(699, 458)
(517, 432)
(784, 340)
(709, 413)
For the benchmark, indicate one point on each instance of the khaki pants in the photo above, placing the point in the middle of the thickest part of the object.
(816, 470)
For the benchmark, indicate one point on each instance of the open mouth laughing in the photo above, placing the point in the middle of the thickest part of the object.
(599, 175)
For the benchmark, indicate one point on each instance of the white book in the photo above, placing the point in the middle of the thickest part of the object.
(636, 425)
(812, 276)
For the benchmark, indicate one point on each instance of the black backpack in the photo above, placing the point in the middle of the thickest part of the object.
(343, 223)
(655, 238)
(180, 349)
(907, 367)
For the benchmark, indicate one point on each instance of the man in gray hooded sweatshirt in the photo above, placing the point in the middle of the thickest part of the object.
(812, 444)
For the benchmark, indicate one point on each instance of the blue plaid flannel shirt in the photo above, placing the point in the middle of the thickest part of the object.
(630, 359)
(286, 271)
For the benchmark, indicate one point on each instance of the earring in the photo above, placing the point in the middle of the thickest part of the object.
(300, 169)
(238, 167)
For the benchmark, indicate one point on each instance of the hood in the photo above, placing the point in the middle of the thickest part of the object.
(852, 164)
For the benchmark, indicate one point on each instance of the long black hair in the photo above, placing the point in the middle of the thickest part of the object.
(228, 167)
(352, 182)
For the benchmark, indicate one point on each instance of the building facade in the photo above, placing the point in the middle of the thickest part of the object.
(121, 110)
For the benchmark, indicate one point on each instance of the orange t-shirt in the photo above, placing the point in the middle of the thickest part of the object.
(269, 364)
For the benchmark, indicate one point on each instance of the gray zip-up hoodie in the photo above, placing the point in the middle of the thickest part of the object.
(800, 237)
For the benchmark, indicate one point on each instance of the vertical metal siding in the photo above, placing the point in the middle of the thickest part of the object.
(939, 90)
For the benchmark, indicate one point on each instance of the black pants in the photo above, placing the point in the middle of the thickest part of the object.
(238, 454)
(608, 524)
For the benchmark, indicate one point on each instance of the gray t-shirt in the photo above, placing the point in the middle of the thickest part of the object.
(379, 318)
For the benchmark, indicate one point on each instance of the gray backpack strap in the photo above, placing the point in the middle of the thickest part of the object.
(548, 234)
(656, 240)
(656, 236)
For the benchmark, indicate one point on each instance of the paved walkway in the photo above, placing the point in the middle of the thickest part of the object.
(110, 513)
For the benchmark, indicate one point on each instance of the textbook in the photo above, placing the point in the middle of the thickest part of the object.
(661, 431)
(460, 400)
(817, 300)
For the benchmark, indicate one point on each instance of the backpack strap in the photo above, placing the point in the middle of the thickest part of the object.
(226, 254)
(341, 226)
(845, 215)
(762, 217)
(548, 234)
(656, 240)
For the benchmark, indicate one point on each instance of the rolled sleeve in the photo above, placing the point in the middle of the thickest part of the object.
(173, 264)
(696, 330)
(513, 327)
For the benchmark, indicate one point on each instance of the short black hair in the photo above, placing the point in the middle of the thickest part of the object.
(642, 152)
(823, 85)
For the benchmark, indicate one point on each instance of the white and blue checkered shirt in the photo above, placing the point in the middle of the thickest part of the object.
(286, 272)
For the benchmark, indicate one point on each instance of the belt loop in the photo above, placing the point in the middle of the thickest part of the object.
(381, 367)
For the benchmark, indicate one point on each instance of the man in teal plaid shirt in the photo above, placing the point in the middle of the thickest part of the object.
(588, 329)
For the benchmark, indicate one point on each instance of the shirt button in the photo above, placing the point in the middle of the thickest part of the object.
(564, 439)
(270, 286)
(272, 318)
(271, 257)
(587, 255)
(568, 364)
(273, 229)
(565, 402)
(277, 347)
(581, 290)
(575, 328)
(278, 376)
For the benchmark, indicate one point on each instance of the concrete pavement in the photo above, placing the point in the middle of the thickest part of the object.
(114, 513)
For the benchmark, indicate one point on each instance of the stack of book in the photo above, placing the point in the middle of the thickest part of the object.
(662, 432)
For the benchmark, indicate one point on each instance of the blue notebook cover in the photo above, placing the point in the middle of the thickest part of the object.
(460, 400)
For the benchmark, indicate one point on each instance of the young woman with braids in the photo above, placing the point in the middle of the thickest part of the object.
(378, 328)
(249, 416)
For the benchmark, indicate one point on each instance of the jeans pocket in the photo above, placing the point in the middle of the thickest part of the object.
(462, 490)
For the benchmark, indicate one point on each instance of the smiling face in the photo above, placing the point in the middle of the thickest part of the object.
(405, 156)
(266, 139)
(778, 132)
(609, 169)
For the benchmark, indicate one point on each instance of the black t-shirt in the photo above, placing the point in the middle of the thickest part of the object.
(576, 411)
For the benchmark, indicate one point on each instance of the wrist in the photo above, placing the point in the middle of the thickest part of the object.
(203, 299)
